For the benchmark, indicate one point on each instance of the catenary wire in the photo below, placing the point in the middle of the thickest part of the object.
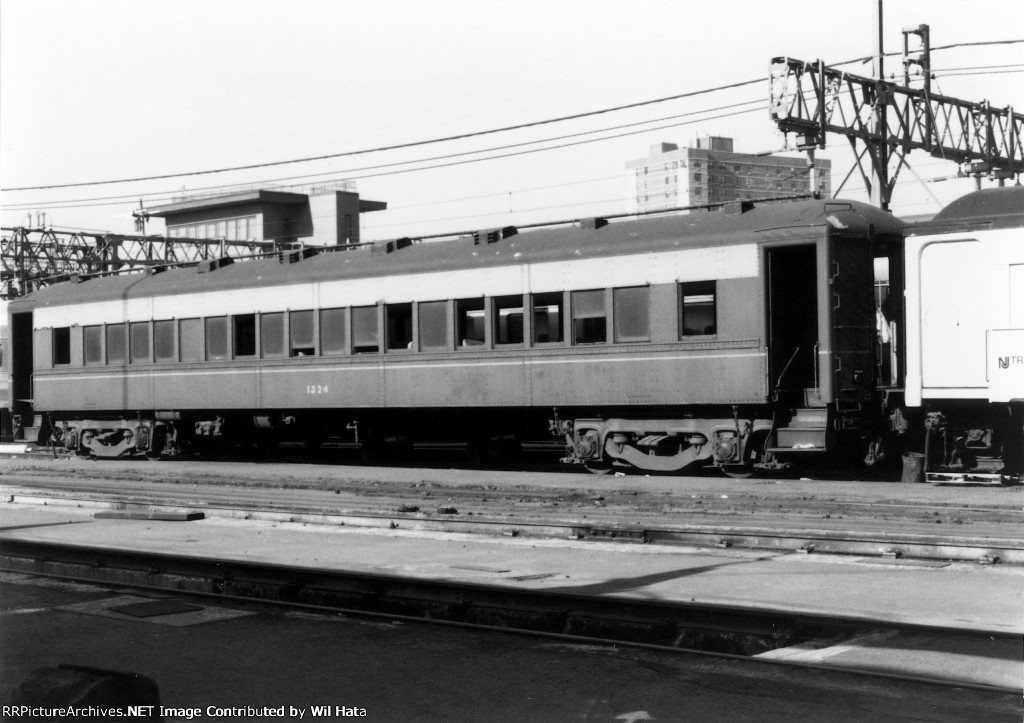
(117, 200)
(413, 144)
(399, 146)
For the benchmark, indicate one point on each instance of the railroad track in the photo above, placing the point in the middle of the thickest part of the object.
(743, 633)
(322, 508)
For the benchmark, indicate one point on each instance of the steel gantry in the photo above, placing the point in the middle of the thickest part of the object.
(812, 100)
(31, 258)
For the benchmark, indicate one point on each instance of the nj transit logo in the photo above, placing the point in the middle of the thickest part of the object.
(1006, 361)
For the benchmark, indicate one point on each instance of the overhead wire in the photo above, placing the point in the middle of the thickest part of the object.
(492, 214)
(462, 136)
(943, 74)
(112, 200)
(398, 146)
(894, 53)
(347, 174)
(506, 193)
(534, 150)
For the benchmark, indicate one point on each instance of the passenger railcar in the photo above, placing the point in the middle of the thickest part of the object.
(739, 336)
(965, 333)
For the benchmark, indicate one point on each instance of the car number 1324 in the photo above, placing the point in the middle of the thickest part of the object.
(317, 389)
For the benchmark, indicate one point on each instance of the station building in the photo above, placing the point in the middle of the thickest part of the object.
(289, 216)
(711, 172)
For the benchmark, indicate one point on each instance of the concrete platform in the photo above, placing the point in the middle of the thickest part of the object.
(958, 596)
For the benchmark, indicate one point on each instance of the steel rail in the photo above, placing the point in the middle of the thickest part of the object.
(100, 485)
(645, 624)
(984, 550)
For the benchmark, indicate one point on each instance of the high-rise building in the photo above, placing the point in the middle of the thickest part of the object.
(711, 172)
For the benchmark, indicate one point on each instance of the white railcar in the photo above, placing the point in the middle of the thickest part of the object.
(965, 332)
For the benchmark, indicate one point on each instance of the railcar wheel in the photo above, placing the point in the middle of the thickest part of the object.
(398, 450)
(314, 437)
(373, 451)
(503, 450)
(475, 454)
(754, 453)
(85, 439)
(598, 467)
(493, 451)
(157, 442)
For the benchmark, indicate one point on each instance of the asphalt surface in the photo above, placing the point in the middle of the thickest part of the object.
(253, 657)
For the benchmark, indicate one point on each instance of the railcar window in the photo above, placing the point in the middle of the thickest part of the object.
(272, 335)
(163, 340)
(589, 324)
(93, 345)
(399, 322)
(547, 318)
(244, 334)
(303, 339)
(697, 314)
(138, 343)
(365, 336)
(332, 331)
(470, 322)
(508, 319)
(217, 338)
(632, 314)
(61, 345)
(190, 340)
(117, 346)
(433, 325)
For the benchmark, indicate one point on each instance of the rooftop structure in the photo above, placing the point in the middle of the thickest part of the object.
(310, 215)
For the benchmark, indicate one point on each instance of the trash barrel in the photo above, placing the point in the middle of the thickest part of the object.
(913, 467)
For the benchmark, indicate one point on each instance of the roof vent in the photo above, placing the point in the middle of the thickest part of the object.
(738, 207)
(592, 224)
(205, 267)
(296, 255)
(494, 235)
(387, 247)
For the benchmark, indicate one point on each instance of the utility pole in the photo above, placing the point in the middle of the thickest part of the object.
(880, 191)
(141, 218)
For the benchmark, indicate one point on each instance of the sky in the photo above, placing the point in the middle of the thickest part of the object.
(101, 93)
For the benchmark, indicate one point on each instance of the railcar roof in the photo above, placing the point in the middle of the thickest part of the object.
(643, 235)
(991, 208)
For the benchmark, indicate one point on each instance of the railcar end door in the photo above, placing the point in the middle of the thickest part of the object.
(854, 321)
(792, 288)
